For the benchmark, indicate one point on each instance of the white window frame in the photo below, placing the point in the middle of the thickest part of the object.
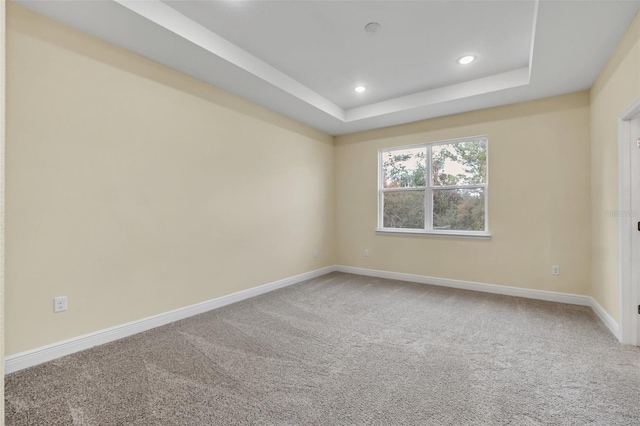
(428, 199)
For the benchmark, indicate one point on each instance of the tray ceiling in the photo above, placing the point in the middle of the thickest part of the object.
(304, 58)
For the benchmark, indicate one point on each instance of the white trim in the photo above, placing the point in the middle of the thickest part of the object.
(624, 224)
(606, 319)
(427, 204)
(628, 292)
(631, 112)
(486, 183)
(53, 351)
(493, 83)
(420, 232)
(429, 188)
(46, 353)
(434, 143)
(422, 188)
(533, 36)
(167, 17)
(551, 296)
(172, 20)
(572, 299)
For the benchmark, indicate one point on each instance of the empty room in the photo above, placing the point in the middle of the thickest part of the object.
(293, 212)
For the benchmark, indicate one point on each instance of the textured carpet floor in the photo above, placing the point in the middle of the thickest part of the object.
(347, 350)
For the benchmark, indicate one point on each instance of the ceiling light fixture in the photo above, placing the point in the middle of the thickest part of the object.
(360, 89)
(466, 60)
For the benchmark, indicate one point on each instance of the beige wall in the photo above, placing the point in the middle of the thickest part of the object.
(539, 199)
(2, 145)
(615, 89)
(135, 190)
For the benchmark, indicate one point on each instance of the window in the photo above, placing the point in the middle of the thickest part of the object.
(434, 188)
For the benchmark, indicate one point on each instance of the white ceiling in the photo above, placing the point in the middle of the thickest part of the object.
(324, 46)
(303, 58)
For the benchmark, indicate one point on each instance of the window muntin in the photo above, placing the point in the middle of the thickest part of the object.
(439, 188)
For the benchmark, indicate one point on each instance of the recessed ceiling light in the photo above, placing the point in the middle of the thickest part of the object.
(466, 60)
(360, 89)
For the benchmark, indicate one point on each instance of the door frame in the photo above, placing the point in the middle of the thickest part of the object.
(629, 271)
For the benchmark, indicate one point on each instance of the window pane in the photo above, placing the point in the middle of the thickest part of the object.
(461, 163)
(404, 209)
(458, 209)
(405, 168)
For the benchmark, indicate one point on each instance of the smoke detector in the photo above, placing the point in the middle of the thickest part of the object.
(372, 27)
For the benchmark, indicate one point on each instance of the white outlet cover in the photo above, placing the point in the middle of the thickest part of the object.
(60, 304)
(555, 270)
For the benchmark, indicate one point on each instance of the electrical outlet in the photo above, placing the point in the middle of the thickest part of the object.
(555, 270)
(315, 253)
(60, 304)
(366, 252)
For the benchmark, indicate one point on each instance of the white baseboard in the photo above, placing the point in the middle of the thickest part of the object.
(571, 299)
(37, 356)
(607, 319)
(551, 296)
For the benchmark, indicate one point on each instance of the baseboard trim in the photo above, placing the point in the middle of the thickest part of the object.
(606, 319)
(571, 299)
(46, 353)
(551, 296)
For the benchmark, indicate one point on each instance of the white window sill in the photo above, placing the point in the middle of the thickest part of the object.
(475, 235)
